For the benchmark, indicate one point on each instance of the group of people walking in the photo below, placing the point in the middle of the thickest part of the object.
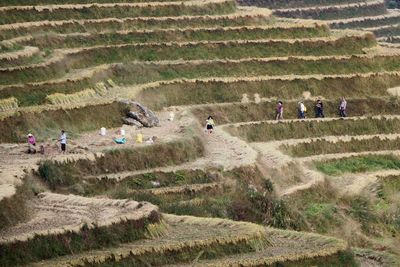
(301, 108)
(318, 109)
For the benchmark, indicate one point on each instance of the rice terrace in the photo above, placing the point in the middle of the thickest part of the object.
(199, 133)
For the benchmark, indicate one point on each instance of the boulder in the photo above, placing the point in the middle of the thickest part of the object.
(132, 122)
(140, 113)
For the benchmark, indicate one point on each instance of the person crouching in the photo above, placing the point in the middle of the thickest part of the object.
(31, 144)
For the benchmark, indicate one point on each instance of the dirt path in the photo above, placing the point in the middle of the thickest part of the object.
(222, 151)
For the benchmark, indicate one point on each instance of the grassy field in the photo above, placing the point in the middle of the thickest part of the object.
(319, 147)
(67, 66)
(187, 51)
(15, 14)
(247, 112)
(262, 132)
(295, 4)
(128, 74)
(175, 152)
(359, 164)
(46, 123)
(336, 12)
(232, 90)
(328, 213)
(140, 23)
(53, 41)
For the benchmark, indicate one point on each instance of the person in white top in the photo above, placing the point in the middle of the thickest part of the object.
(63, 141)
(343, 108)
(302, 110)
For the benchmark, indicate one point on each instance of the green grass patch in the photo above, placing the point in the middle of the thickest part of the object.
(321, 215)
(359, 164)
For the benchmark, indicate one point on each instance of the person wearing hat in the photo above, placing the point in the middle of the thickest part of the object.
(31, 143)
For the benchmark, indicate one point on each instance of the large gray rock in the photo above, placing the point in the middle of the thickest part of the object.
(132, 122)
(140, 113)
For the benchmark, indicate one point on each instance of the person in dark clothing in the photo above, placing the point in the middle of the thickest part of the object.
(319, 109)
(279, 111)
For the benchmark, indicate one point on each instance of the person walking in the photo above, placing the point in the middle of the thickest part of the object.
(63, 141)
(279, 111)
(302, 110)
(31, 144)
(319, 109)
(210, 124)
(343, 108)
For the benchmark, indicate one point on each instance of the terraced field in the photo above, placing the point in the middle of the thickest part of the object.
(368, 15)
(255, 192)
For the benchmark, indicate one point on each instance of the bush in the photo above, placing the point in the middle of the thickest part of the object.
(56, 175)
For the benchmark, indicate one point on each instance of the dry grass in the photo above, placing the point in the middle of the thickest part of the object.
(63, 99)
(57, 232)
(27, 51)
(8, 104)
(186, 238)
(47, 123)
(14, 209)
